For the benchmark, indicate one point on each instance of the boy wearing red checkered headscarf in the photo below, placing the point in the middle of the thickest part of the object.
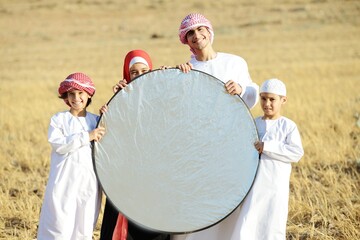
(197, 32)
(72, 198)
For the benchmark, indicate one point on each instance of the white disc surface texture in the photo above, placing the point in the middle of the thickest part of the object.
(178, 153)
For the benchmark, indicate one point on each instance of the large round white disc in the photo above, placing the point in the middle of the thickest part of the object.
(178, 152)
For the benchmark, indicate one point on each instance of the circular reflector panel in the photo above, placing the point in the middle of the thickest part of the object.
(178, 152)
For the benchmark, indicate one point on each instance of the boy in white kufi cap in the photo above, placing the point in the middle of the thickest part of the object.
(263, 214)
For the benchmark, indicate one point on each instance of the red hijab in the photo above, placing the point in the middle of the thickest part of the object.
(135, 56)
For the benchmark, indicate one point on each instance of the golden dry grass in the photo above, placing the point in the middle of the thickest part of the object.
(313, 45)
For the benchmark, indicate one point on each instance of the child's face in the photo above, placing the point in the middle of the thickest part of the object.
(77, 100)
(271, 105)
(138, 69)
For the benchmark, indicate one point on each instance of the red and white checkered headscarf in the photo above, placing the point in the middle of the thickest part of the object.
(77, 81)
(191, 21)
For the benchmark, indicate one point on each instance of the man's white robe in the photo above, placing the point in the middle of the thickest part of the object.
(227, 67)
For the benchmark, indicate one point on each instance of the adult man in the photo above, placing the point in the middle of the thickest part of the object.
(197, 32)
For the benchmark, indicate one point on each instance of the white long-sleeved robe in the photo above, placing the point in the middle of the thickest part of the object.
(72, 198)
(263, 213)
(227, 67)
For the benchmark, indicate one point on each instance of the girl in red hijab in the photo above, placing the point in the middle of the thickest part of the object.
(136, 62)
(115, 226)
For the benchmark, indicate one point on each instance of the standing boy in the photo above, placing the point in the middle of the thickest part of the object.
(72, 198)
(264, 211)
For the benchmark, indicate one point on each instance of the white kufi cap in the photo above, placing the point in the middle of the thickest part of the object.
(274, 86)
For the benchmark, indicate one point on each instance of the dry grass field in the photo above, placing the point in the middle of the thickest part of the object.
(313, 45)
